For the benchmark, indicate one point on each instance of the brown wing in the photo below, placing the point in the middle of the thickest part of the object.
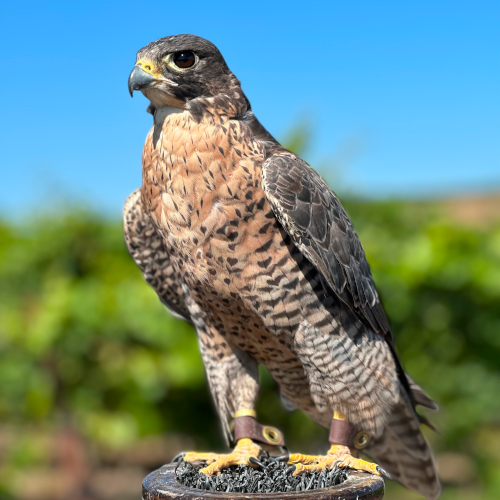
(317, 223)
(148, 252)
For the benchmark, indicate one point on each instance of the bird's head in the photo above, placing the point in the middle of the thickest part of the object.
(175, 70)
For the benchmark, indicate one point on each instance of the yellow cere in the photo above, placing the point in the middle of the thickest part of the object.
(149, 67)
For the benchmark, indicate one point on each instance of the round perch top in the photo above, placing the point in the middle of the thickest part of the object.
(162, 484)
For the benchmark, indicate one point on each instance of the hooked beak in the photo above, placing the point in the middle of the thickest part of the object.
(139, 80)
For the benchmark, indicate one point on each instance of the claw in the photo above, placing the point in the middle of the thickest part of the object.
(179, 457)
(383, 472)
(255, 461)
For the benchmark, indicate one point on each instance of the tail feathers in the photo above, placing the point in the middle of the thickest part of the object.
(420, 397)
(404, 453)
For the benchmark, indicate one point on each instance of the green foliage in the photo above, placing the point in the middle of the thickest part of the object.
(440, 284)
(84, 339)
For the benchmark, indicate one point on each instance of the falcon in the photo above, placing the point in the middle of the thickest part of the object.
(243, 239)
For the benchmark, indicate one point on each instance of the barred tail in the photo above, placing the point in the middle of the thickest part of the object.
(403, 451)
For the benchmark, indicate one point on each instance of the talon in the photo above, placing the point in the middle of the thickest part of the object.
(383, 472)
(255, 461)
(176, 467)
(179, 457)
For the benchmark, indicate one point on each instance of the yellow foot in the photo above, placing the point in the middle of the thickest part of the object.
(340, 455)
(245, 450)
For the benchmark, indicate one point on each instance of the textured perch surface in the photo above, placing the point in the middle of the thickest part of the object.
(163, 483)
(270, 475)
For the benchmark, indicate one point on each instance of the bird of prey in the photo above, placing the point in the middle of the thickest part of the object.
(243, 239)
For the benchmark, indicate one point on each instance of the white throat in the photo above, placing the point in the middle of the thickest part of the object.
(164, 112)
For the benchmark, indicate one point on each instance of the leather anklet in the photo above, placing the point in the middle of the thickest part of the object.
(346, 434)
(246, 426)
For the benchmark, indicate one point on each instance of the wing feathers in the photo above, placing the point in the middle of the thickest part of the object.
(313, 216)
(146, 248)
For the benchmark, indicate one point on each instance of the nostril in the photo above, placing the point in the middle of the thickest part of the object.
(147, 67)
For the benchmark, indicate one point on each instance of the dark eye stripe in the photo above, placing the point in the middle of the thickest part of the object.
(185, 59)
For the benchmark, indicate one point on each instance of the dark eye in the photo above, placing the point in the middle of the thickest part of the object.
(185, 59)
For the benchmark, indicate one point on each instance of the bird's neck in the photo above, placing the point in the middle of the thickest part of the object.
(161, 114)
(226, 106)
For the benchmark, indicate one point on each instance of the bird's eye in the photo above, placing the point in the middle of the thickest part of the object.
(184, 59)
(181, 61)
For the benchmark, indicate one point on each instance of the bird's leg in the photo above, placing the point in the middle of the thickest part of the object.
(246, 431)
(337, 454)
(245, 449)
(345, 440)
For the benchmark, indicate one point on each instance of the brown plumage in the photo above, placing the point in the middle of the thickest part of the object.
(243, 238)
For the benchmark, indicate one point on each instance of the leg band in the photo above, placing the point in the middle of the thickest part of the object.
(345, 434)
(248, 427)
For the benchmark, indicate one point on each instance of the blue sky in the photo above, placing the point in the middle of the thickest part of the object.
(403, 97)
